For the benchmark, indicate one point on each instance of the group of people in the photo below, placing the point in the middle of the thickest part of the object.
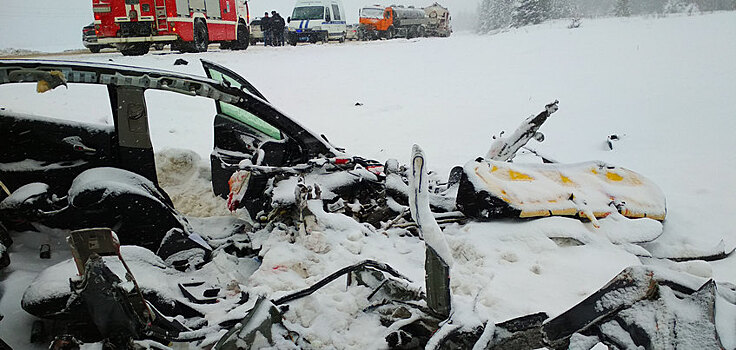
(273, 29)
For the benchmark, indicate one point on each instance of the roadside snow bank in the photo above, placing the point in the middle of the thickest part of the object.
(187, 179)
(17, 52)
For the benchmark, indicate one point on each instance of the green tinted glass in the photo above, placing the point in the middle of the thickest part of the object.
(219, 77)
(250, 119)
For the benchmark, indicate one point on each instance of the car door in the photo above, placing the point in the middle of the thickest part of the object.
(224, 74)
(253, 130)
(52, 151)
(238, 133)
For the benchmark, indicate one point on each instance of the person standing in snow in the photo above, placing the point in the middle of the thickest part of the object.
(266, 28)
(278, 24)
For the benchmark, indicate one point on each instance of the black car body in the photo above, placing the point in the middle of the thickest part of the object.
(54, 151)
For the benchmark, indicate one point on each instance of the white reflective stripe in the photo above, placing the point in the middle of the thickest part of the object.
(180, 19)
(145, 18)
(137, 39)
(191, 20)
(122, 19)
(216, 21)
(98, 21)
(101, 9)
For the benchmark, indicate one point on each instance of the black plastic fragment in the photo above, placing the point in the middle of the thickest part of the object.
(44, 251)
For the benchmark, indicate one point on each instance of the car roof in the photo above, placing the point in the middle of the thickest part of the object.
(25, 70)
(83, 65)
(30, 70)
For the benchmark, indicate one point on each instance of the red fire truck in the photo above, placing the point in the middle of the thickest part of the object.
(188, 25)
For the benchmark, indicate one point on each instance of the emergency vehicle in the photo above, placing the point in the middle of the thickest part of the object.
(188, 25)
(317, 20)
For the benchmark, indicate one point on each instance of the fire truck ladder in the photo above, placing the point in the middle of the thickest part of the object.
(162, 24)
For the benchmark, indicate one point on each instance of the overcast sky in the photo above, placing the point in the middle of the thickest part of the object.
(56, 25)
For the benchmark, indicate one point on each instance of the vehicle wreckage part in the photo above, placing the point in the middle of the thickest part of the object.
(29, 197)
(437, 281)
(519, 333)
(646, 306)
(94, 243)
(139, 211)
(261, 320)
(238, 187)
(672, 327)
(127, 83)
(47, 80)
(5, 189)
(84, 243)
(37, 332)
(642, 307)
(65, 342)
(505, 148)
(44, 251)
(4, 345)
(32, 149)
(4, 256)
(345, 270)
(438, 258)
(630, 283)
(5, 242)
(131, 124)
(199, 293)
(491, 189)
(184, 251)
(119, 312)
(718, 252)
(229, 78)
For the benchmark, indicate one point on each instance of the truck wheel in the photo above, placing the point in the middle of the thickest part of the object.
(421, 32)
(342, 38)
(243, 40)
(326, 38)
(391, 32)
(136, 49)
(94, 49)
(201, 38)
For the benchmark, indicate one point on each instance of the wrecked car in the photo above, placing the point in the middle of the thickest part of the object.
(141, 270)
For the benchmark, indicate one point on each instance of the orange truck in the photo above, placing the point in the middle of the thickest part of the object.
(392, 22)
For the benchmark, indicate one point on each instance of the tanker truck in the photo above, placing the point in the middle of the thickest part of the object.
(392, 22)
(439, 20)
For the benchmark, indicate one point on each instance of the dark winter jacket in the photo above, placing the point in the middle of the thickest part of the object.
(266, 23)
(278, 22)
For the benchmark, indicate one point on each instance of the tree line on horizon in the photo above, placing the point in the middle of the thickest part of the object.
(500, 14)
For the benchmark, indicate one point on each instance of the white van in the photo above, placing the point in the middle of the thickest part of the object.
(317, 20)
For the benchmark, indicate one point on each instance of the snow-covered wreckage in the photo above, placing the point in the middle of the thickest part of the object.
(140, 274)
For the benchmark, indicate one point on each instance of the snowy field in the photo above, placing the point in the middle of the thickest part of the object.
(665, 86)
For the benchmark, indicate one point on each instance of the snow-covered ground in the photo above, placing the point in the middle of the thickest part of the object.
(663, 85)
